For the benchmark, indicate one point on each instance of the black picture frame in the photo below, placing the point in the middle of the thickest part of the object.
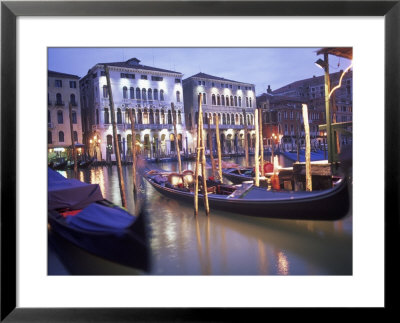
(10, 10)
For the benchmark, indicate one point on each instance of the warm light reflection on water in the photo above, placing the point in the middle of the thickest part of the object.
(230, 244)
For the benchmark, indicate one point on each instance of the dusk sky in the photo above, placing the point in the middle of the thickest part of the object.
(260, 66)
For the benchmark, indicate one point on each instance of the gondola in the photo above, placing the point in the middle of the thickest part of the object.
(247, 199)
(239, 175)
(78, 213)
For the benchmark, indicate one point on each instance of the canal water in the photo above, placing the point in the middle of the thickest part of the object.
(226, 243)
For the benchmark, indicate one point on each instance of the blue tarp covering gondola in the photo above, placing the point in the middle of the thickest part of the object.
(70, 193)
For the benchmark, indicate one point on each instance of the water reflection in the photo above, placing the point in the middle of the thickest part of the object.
(230, 244)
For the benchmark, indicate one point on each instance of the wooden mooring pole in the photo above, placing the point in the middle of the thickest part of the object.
(218, 147)
(261, 142)
(73, 142)
(178, 153)
(308, 151)
(210, 144)
(246, 144)
(116, 146)
(257, 146)
(133, 149)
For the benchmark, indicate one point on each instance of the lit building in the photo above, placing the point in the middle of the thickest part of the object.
(226, 98)
(63, 91)
(150, 92)
(286, 101)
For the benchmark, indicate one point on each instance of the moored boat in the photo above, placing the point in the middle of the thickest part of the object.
(78, 213)
(247, 199)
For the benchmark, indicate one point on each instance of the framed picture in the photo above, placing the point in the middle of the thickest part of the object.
(319, 18)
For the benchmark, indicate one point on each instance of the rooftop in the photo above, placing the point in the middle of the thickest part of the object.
(62, 75)
(135, 64)
(212, 77)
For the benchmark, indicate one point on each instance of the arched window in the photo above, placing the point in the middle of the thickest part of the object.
(60, 136)
(162, 116)
(240, 101)
(125, 92)
(227, 101)
(247, 101)
(150, 94)
(137, 93)
(97, 116)
(213, 102)
(169, 117)
(119, 116)
(250, 105)
(58, 99)
(49, 137)
(74, 119)
(151, 116)
(110, 143)
(161, 95)
(155, 92)
(224, 119)
(222, 100)
(72, 99)
(144, 96)
(145, 116)
(106, 116)
(178, 96)
(48, 116)
(157, 116)
(231, 101)
(218, 100)
(60, 118)
(179, 118)
(139, 116)
(75, 136)
(241, 120)
(105, 91)
(236, 101)
(232, 118)
(131, 93)
(204, 98)
(196, 118)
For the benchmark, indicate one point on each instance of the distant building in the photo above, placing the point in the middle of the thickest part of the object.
(63, 91)
(284, 105)
(149, 91)
(225, 98)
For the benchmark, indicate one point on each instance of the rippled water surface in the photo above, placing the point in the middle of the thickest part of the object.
(230, 244)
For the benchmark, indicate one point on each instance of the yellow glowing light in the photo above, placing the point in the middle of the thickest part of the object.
(91, 141)
(95, 137)
(99, 141)
(340, 81)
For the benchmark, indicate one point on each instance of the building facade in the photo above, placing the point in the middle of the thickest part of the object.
(285, 105)
(152, 93)
(63, 91)
(233, 102)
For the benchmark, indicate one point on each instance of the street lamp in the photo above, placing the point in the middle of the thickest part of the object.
(273, 139)
(324, 145)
